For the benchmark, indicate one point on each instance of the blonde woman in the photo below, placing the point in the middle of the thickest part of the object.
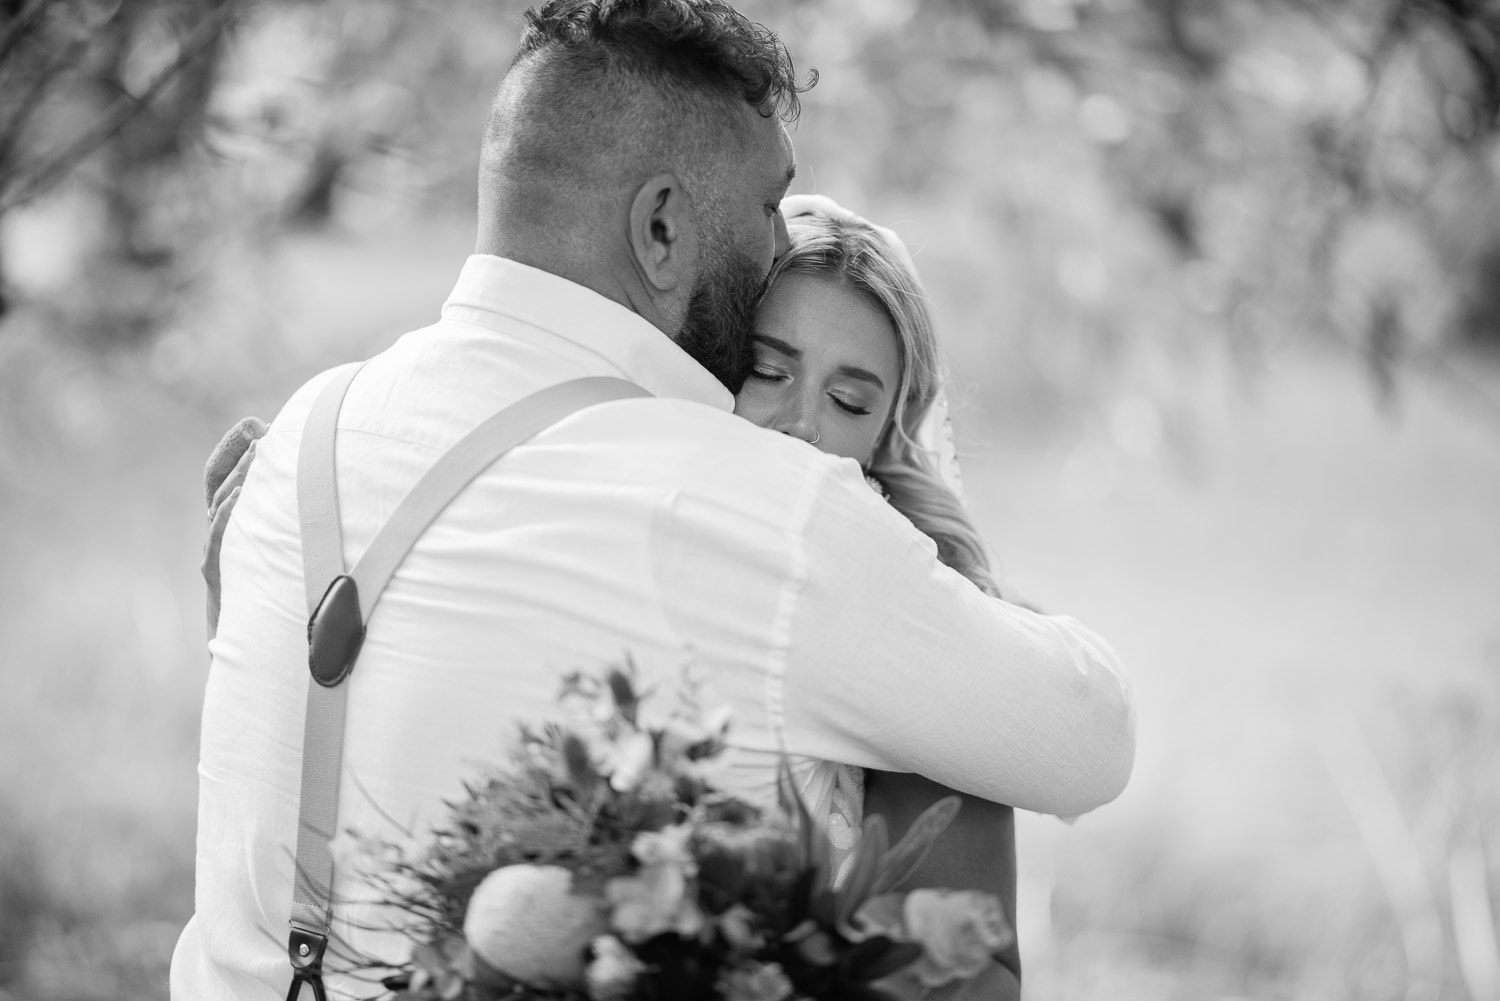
(846, 358)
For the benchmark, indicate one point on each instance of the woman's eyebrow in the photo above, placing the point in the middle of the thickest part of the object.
(778, 344)
(848, 371)
(863, 374)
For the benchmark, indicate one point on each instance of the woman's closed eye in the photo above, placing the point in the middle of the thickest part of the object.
(767, 373)
(857, 409)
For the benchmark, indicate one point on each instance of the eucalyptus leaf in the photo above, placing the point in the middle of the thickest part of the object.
(865, 869)
(811, 848)
(581, 773)
(901, 861)
(622, 690)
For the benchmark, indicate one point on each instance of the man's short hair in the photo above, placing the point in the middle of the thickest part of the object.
(699, 45)
(606, 91)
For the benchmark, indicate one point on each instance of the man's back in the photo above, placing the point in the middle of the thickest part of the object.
(541, 567)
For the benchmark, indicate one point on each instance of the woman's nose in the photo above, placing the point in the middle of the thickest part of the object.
(796, 420)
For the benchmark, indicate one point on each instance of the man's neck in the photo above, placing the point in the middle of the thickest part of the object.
(616, 280)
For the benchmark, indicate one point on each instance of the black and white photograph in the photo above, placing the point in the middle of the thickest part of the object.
(750, 500)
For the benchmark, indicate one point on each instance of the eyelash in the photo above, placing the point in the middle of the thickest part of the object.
(773, 376)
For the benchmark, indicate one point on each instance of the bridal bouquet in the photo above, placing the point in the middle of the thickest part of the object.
(601, 864)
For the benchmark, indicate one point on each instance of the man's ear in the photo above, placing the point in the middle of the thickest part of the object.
(663, 232)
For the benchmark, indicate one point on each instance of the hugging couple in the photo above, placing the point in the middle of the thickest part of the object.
(633, 233)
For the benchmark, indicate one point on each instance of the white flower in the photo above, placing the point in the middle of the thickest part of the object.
(525, 922)
(668, 846)
(686, 730)
(634, 755)
(738, 925)
(755, 982)
(960, 930)
(657, 899)
(614, 970)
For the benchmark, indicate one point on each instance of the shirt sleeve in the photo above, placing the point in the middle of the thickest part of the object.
(895, 661)
(825, 620)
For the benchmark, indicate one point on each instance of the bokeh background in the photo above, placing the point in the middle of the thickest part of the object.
(1219, 282)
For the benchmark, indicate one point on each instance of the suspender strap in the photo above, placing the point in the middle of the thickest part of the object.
(475, 453)
(318, 492)
(323, 729)
(340, 602)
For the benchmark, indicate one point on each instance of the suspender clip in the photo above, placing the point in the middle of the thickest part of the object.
(335, 633)
(305, 949)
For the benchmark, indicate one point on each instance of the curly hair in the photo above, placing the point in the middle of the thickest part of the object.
(698, 44)
(850, 251)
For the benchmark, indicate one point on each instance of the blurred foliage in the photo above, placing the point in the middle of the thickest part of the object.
(1105, 198)
(1138, 170)
(112, 95)
(154, 129)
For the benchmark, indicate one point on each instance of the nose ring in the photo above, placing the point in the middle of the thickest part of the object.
(814, 439)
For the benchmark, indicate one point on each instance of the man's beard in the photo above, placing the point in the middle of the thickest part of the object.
(720, 322)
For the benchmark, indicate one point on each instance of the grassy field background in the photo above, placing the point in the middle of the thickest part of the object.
(1302, 584)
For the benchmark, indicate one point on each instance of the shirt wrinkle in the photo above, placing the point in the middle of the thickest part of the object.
(558, 308)
(779, 647)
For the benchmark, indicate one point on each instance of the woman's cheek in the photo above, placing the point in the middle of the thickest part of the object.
(754, 407)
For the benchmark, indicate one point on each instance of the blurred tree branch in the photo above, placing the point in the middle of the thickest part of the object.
(16, 189)
(22, 22)
(1242, 144)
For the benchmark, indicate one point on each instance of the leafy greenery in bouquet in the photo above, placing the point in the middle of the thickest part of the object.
(603, 865)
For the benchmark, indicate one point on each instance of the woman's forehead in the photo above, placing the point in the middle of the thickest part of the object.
(824, 316)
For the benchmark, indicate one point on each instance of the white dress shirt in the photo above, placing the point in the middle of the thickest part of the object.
(666, 529)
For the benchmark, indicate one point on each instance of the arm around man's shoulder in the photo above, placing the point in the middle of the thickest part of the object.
(897, 662)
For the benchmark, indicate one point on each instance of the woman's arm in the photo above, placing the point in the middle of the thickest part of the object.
(223, 475)
(977, 852)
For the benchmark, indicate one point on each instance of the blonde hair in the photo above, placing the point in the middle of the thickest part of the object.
(851, 250)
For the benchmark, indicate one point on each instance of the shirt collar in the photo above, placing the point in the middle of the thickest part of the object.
(492, 287)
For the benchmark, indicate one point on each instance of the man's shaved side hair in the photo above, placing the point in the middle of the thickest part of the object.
(604, 93)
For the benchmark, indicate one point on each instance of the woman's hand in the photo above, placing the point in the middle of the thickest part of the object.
(223, 476)
(976, 852)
